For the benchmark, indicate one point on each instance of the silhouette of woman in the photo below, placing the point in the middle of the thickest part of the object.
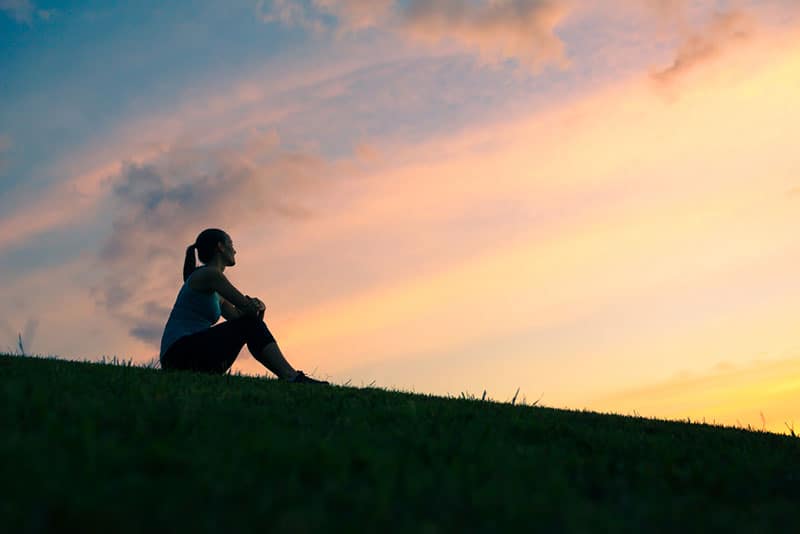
(192, 342)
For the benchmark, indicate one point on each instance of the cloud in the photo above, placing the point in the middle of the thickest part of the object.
(350, 14)
(357, 14)
(24, 11)
(496, 29)
(724, 31)
(667, 9)
(288, 13)
(160, 206)
(190, 185)
(150, 325)
(509, 29)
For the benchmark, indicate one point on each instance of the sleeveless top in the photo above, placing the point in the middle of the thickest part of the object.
(193, 312)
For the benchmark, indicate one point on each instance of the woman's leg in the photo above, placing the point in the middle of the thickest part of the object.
(209, 351)
(214, 350)
(262, 345)
(272, 358)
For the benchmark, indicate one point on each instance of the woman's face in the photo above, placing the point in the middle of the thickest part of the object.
(228, 252)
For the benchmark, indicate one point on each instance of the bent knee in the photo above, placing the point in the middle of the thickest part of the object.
(247, 319)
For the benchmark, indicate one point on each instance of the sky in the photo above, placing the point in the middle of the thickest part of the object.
(589, 205)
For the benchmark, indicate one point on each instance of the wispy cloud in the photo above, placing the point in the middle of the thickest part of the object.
(723, 32)
(499, 30)
(357, 14)
(667, 9)
(287, 12)
(512, 29)
(24, 11)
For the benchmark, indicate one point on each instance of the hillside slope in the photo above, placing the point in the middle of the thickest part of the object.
(94, 448)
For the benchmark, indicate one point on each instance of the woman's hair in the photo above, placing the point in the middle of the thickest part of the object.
(206, 245)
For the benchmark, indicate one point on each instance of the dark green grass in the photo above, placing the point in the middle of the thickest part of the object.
(102, 448)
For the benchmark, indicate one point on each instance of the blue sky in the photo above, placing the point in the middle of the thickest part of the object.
(87, 67)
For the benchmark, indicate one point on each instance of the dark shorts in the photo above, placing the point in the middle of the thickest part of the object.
(214, 350)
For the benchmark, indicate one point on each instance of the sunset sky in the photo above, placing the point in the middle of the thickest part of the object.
(595, 202)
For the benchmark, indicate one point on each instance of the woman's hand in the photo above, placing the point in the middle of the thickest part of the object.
(260, 307)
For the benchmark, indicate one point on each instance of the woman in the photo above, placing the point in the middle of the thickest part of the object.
(191, 342)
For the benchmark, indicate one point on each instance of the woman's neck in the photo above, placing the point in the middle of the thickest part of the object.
(216, 263)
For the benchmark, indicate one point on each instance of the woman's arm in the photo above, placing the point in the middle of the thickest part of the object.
(236, 302)
(229, 311)
(233, 304)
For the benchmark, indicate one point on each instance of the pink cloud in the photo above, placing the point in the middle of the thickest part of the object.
(667, 7)
(723, 32)
(513, 29)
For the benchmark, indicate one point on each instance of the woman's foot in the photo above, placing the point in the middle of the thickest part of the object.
(301, 378)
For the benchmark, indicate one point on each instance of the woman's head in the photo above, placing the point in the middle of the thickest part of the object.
(210, 243)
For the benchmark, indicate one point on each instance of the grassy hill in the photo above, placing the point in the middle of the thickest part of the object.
(101, 448)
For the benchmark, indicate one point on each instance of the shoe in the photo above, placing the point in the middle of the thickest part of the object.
(301, 377)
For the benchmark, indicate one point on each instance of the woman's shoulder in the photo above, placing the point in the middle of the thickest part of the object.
(201, 279)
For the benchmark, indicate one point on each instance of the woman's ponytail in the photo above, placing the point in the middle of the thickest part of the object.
(190, 264)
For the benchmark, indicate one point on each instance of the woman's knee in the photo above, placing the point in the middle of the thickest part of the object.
(247, 321)
(259, 338)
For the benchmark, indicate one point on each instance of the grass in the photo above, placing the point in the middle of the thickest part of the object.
(98, 448)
